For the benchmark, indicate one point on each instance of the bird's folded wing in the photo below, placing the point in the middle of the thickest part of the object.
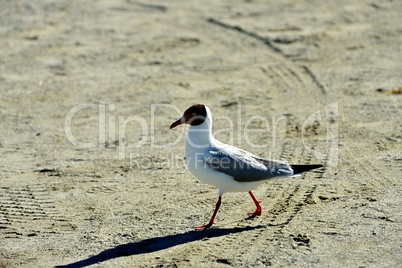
(244, 166)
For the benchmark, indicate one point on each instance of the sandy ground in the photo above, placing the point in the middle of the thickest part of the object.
(91, 174)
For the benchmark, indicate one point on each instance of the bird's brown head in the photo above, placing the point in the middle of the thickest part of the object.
(194, 116)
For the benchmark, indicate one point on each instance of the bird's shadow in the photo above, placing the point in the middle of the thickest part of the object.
(156, 244)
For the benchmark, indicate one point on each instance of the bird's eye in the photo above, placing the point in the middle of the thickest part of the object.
(193, 114)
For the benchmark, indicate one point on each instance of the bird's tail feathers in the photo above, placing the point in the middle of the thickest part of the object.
(298, 169)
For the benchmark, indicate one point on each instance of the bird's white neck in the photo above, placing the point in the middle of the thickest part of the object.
(200, 136)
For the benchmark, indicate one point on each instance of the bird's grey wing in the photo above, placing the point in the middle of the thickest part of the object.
(244, 166)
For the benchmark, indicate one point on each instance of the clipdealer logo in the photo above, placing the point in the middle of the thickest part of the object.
(109, 123)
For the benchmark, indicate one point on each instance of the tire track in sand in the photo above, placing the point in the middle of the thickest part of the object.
(300, 73)
(21, 205)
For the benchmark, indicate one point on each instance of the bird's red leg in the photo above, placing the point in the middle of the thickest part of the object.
(206, 226)
(257, 212)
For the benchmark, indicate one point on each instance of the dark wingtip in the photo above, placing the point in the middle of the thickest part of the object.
(297, 169)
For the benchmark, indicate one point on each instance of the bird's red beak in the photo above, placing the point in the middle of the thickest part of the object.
(176, 123)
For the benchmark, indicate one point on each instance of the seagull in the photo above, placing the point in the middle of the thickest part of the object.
(227, 167)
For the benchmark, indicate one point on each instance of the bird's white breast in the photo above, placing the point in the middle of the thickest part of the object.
(203, 172)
